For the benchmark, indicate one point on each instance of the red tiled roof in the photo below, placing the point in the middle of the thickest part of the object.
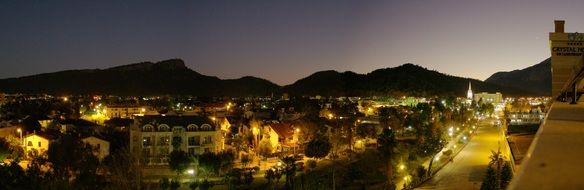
(285, 130)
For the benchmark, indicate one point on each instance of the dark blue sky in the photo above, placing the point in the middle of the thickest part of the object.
(281, 41)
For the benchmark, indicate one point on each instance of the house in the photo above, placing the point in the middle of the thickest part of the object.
(37, 142)
(99, 146)
(283, 136)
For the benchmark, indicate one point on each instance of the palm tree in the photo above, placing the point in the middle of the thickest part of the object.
(497, 160)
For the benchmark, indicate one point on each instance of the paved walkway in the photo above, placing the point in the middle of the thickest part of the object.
(468, 167)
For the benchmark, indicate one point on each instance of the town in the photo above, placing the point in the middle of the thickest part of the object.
(181, 142)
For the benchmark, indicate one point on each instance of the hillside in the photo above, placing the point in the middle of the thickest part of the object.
(172, 77)
(165, 77)
(535, 79)
(407, 79)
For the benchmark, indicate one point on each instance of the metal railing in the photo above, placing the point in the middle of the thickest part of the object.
(572, 84)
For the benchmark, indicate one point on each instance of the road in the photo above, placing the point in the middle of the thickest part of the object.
(469, 166)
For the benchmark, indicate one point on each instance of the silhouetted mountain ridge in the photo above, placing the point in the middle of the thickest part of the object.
(536, 79)
(147, 78)
(407, 79)
(174, 78)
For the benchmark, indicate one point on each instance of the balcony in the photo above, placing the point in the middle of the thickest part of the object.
(555, 155)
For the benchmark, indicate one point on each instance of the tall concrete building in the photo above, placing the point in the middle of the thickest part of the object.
(567, 50)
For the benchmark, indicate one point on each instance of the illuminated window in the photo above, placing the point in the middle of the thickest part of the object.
(146, 141)
(165, 141)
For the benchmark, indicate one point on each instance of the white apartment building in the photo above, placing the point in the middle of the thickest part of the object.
(154, 137)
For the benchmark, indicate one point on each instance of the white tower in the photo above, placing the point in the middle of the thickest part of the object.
(469, 92)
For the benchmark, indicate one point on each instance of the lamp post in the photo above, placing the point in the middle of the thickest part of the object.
(297, 130)
(255, 132)
(20, 132)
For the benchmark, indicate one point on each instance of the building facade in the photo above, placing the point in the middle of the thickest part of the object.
(484, 97)
(567, 50)
(125, 111)
(154, 137)
(38, 143)
(99, 146)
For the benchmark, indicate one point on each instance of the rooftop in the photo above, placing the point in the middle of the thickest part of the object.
(175, 120)
(553, 160)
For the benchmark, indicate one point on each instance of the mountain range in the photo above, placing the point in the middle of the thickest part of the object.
(535, 80)
(173, 77)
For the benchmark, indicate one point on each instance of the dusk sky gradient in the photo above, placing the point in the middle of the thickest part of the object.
(281, 41)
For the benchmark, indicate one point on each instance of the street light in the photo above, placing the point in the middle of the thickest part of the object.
(20, 132)
(255, 131)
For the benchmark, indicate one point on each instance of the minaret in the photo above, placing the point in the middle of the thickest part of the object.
(469, 92)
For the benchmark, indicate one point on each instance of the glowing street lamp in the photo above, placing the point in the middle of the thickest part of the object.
(20, 132)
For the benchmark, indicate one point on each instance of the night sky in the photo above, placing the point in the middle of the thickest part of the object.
(281, 41)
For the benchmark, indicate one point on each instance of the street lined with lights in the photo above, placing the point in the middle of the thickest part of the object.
(468, 166)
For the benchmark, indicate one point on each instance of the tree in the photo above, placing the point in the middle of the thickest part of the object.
(210, 162)
(265, 147)
(385, 145)
(69, 156)
(11, 147)
(391, 117)
(245, 160)
(497, 160)
(490, 180)
(179, 161)
(290, 170)
(506, 175)
(270, 175)
(317, 148)
(233, 178)
(248, 178)
(431, 146)
(12, 176)
(366, 131)
(226, 158)
(123, 168)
